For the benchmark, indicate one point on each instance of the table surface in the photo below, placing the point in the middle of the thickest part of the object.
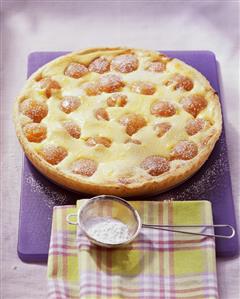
(64, 25)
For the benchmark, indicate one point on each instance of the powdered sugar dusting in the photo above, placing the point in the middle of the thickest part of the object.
(99, 65)
(125, 63)
(53, 154)
(107, 230)
(185, 150)
(51, 197)
(207, 179)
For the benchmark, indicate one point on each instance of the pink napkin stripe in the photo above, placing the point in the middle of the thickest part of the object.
(146, 290)
(82, 238)
(88, 289)
(86, 246)
(89, 275)
(56, 294)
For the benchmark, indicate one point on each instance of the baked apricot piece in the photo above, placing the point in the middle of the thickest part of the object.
(92, 141)
(156, 66)
(124, 63)
(180, 82)
(162, 128)
(110, 83)
(53, 154)
(35, 110)
(132, 122)
(135, 141)
(101, 114)
(91, 88)
(99, 65)
(117, 99)
(84, 167)
(38, 77)
(193, 126)
(35, 132)
(72, 129)
(69, 104)
(184, 150)
(155, 165)
(194, 104)
(162, 108)
(184, 83)
(75, 70)
(143, 87)
(164, 58)
(48, 84)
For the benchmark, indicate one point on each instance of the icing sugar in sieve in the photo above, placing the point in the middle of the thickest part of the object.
(107, 230)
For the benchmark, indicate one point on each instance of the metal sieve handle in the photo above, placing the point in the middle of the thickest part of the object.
(69, 221)
(166, 228)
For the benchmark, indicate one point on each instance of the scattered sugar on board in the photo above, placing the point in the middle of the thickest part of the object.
(50, 196)
(209, 178)
(107, 230)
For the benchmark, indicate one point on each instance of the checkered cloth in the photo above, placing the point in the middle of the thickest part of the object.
(157, 265)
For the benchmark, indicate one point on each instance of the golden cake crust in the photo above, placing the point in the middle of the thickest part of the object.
(117, 126)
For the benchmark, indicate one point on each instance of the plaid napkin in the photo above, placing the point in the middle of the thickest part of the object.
(157, 265)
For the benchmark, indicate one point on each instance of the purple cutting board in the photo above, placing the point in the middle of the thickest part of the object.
(212, 182)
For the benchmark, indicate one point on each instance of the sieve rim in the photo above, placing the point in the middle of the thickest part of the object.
(135, 213)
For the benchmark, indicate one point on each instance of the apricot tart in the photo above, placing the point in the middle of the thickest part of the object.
(117, 121)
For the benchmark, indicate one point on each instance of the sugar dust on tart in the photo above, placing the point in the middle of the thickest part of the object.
(118, 121)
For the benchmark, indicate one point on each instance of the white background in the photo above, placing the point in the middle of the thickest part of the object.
(29, 26)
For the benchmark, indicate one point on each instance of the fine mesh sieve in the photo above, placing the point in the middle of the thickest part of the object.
(109, 206)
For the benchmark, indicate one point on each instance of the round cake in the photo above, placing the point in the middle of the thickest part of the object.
(117, 121)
